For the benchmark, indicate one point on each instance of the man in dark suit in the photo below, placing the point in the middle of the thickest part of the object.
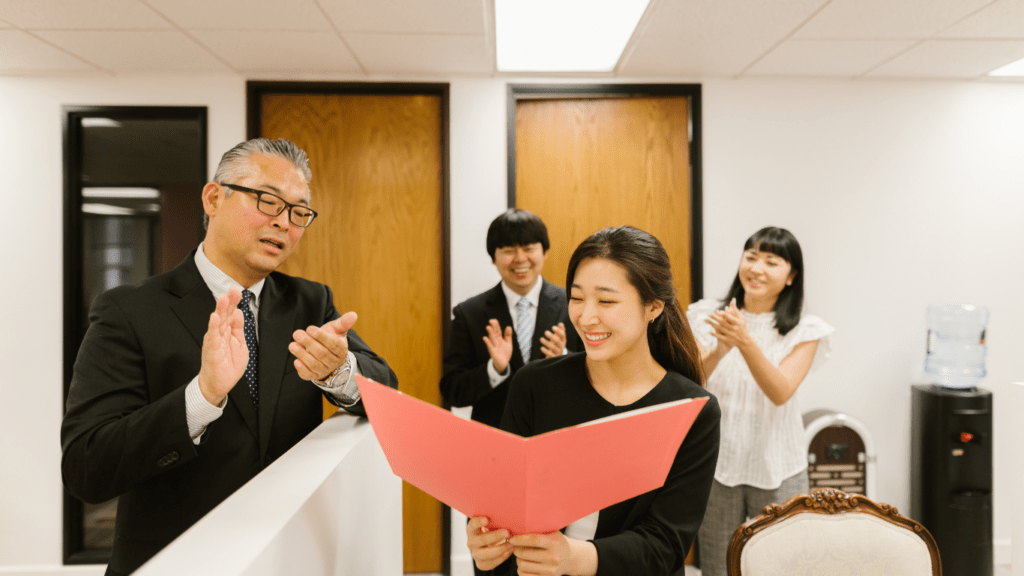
(523, 318)
(189, 384)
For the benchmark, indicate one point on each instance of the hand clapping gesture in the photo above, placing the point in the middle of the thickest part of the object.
(730, 326)
(499, 346)
(225, 354)
(552, 343)
(319, 351)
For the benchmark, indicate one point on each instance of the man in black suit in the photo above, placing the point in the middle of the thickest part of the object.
(183, 390)
(523, 318)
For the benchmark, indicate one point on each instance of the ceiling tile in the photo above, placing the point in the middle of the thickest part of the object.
(952, 59)
(886, 19)
(81, 15)
(412, 16)
(1004, 20)
(243, 14)
(21, 54)
(419, 53)
(711, 37)
(278, 51)
(134, 52)
(846, 58)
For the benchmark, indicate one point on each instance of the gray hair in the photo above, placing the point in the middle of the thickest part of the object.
(234, 164)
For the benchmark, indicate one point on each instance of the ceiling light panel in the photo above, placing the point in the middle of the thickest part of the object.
(564, 35)
(1012, 69)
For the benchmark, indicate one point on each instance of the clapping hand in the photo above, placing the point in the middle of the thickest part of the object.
(498, 346)
(320, 350)
(225, 355)
(552, 343)
(730, 326)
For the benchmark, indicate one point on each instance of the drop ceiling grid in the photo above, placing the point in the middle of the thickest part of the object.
(424, 53)
(136, 51)
(407, 16)
(81, 15)
(887, 19)
(261, 15)
(280, 50)
(955, 59)
(712, 37)
(24, 54)
(828, 58)
(1001, 20)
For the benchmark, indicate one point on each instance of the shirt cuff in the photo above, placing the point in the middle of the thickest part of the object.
(199, 413)
(496, 378)
(343, 386)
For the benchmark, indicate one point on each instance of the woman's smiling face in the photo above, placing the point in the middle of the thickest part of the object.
(763, 275)
(606, 310)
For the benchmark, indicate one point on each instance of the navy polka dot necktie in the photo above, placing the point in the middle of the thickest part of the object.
(252, 369)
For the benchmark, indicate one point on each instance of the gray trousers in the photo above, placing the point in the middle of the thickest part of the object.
(731, 506)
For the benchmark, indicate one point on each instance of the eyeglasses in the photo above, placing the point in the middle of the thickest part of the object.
(272, 205)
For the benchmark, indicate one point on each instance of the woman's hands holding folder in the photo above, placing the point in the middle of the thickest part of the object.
(553, 555)
(489, 549)
(541, 554)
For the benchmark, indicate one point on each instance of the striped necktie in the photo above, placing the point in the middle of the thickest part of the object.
(524, 328)
(252, 369)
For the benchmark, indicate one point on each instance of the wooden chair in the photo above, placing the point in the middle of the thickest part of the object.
(829, 532)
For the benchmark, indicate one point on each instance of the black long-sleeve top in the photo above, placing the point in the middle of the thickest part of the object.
(651, 533)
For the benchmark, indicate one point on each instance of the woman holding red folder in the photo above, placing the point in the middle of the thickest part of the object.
(639, 352)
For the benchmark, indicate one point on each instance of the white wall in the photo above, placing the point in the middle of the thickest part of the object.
(31, 311)
(901, 193)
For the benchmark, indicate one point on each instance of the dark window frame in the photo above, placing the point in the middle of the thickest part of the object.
(517, 92)
(74, 550)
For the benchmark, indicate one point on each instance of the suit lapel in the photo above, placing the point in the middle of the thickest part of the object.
(193, 309)
(277, 318)
(497, 308)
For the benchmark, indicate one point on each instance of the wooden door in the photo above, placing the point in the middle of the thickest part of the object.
(378, 242)
(586, 164)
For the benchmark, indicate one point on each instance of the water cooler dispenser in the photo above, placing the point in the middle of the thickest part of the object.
(951, 443)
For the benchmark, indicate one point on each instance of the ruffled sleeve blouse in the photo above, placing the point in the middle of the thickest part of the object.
(762, 444)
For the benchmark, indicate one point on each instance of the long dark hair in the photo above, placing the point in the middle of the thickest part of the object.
(790, 303)
(647, 267)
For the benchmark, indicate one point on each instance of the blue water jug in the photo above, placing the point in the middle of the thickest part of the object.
(956, 344)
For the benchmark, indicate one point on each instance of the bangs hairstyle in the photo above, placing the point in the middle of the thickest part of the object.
(646, 264)
(516, 227)
(782, 243)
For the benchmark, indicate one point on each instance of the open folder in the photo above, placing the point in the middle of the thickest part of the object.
(530, 485)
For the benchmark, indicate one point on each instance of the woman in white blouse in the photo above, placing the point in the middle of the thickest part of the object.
(756, 348)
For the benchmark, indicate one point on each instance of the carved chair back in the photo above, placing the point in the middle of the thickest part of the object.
(831, 532)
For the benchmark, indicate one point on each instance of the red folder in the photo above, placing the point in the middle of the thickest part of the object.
(530, 485)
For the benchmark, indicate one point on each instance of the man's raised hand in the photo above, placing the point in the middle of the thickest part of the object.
(225, 354)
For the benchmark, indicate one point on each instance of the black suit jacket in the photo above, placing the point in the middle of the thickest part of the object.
(125, 432)
(465, 381)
